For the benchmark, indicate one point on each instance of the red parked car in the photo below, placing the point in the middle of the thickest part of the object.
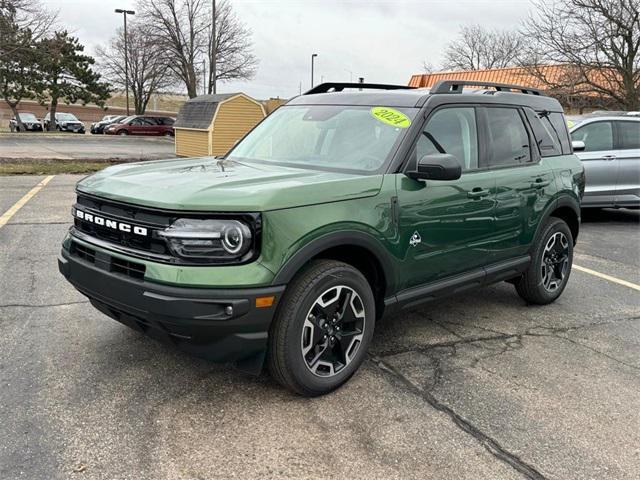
(142, 125)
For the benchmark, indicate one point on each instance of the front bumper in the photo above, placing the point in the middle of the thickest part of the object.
(195, 320)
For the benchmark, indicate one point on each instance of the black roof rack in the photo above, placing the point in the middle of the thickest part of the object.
(339, 86)
(456, 86)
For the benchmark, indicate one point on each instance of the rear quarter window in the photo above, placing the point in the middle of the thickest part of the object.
(546, 138)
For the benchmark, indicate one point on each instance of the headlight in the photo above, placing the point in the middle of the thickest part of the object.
(215, 240)
(64, 124)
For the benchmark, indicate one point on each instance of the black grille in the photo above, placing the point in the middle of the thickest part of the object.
(85, 253)
(150, 246)
(125, 267)
(107, 262)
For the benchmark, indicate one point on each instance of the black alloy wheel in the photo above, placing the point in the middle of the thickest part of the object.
(333, 331)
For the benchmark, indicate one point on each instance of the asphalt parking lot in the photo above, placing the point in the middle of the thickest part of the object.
(480, 386)
(69, 146)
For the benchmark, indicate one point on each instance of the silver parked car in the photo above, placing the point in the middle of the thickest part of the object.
(608, 143)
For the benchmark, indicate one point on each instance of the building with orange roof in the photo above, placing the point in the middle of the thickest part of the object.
(566, 84)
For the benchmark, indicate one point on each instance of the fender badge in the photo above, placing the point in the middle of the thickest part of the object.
(415, 239)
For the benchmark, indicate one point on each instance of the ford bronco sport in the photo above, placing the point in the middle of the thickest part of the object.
(350, 202)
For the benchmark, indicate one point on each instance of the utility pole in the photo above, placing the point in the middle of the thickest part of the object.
(213, 46)
(313, 57)
(126, 54)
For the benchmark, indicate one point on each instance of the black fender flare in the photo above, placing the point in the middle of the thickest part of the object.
(343, 238)
(559, 202)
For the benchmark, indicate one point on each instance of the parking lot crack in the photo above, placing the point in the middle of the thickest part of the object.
(489, 443)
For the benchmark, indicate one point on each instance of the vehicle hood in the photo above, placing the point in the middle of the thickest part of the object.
(215, 185)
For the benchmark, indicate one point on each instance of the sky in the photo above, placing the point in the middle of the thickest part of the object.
(384, 41)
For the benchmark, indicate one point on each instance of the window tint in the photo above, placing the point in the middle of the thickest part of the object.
(629, 134)
(559, 126)
(508, 138)
(596, 136)
(451, 130)
(546, 137)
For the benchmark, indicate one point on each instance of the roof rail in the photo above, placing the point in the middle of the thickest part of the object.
(339, 86)
(456, 86)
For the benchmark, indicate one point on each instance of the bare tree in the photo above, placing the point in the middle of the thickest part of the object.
(596, 41)
(183, 29)
(179, 27)
(233, 48)
(477, 48)
(148, 69)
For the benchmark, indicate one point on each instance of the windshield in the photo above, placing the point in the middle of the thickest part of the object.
(326, 137)
(28, 117)
(66, 117)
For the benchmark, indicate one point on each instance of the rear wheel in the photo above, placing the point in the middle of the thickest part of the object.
(323, 328)
(552, 258)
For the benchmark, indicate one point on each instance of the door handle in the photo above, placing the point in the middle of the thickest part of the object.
(478, 193)
(540, 183)
(608, 157)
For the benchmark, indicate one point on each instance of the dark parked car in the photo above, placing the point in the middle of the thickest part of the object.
(98, 127)
(142, 125)
(29, 120)
(65, 122)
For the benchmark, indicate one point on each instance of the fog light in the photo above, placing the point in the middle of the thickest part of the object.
(229, 310)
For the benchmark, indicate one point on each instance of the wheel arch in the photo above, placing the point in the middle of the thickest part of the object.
(566, 208)
(358, 249)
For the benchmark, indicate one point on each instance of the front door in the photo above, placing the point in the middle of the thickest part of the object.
(600, 162)
(446, 227)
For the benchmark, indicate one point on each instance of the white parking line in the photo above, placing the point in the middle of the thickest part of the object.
(607, 277)
(6, 216)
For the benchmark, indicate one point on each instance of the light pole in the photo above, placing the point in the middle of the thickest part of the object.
(313, 57)
(126, 53)
(214, 53)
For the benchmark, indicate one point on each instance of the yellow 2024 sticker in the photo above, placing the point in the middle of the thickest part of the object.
(391, 117)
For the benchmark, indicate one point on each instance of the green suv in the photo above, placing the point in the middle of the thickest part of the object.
(350, 202)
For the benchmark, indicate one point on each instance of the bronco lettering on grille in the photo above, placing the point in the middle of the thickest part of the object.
(113, 224)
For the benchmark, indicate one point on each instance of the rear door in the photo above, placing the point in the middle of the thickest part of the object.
(446, 227)
(600, 162)
(628, 157)
(524, 179)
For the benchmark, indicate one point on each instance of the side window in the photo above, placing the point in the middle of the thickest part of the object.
(629, 135)
(559, 125)
(508, 138)
(454, 131)
(546, 137)
(596, 136)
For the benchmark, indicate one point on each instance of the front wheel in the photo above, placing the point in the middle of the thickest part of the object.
(552, 258)
(123, 133)
(323, 328)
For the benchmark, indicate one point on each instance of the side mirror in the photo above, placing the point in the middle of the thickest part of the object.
(578, 145)
(437, 166)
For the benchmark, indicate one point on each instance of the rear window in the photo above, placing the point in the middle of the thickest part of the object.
(629, 134)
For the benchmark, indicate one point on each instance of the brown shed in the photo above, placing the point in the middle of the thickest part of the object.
(212, 124)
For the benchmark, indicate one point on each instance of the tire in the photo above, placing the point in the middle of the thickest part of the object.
(542, 286)
(292, 348)
(123, 132)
